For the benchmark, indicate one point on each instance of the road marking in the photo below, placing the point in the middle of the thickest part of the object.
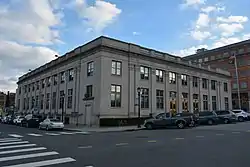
(12, 143)
(89, 166)
(84, 133)
(28, 156)
(179, 138)
(15, 135)
(152, 141)
(121, 144)
(85, 147)
(17, 146)
(66, 133)
(10, 140)
(52, 134)
(236, 132)
(34, 134)
(219, 134)
(199, 136)
(44, 163)
(22, 150)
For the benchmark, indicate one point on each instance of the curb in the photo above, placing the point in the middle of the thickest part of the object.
(126, 130)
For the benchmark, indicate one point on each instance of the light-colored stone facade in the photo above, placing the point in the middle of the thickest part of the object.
(129, 63)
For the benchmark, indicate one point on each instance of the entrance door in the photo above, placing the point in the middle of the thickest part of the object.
(88, 114)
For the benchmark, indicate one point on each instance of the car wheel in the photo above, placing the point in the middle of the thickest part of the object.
(241, 119)
(47, 128)
(226, 121)
(149, 126)
(180, 124)
(210, 122)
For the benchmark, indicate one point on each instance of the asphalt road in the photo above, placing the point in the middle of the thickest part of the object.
(222, 146)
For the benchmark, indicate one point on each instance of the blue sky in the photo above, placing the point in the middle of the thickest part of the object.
(33, 31)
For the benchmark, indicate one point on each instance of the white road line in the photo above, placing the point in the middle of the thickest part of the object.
(22, 150)
(10, 140)
(179, 138)
(84, 133)
(12, 143)
(15, 135)
(34, 134)
(121, 144)
(199, 136)
(66, 133)
(28, 156)
(219, 134)
(52, 134)
(17, 146)
(85, 147)
(44, 163)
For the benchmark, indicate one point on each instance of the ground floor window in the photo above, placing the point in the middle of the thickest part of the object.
(205, 102)
(173, 110)
(159, 99)
(214, 103)
(226, 103)
(195, 103)
(185, 102)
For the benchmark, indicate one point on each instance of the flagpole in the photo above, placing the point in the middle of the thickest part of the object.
(237, 77)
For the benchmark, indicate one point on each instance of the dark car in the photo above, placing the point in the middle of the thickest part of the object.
(164, 120)
(226, 116)
(31, 121)
(208, 117)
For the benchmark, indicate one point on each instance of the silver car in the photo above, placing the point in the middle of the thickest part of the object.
(49, 124)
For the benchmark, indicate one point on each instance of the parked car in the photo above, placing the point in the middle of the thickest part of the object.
(49, 124)
(163, 120)
(31, 121)
(241, 115)
(226, 116)
(208, 117)
(9, 119)
(18, 120)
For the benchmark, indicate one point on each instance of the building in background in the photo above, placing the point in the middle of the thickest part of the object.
(219, 57)
(2, 102)
(7, 102)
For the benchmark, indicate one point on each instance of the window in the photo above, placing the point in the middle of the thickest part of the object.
(159, 75)
(47, 100)
(19, 90)
(25, 89)
(61, 99)
(115, 96)
(89, 91)
(226, 103)
(214, 104)
(33, 86)
(37, 85)
(204, 83)
(184, 102)
(243, 85)
(48, 81)
(195, 82)
(29, 87)
(235, 85)
(144, 72)
(18, 104)
(200, 60)
(213, 84)
(62, 77)
(28, 104)
(205, 102)
(41, 101)
(172, 95)
(71, 74)
(205, 59)
(55, 79)
(116, 68)
(159, 99)
(70, 98)
(241, 50)
(195, 102)
(24, 104)
(225, 87)
(144, 98)
(90, 68)
(43, 83)
(184, 80)
(36, 104)
(172, 78)
(54, 100)
(32, 102)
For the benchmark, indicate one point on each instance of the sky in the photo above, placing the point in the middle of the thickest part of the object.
(33, 31)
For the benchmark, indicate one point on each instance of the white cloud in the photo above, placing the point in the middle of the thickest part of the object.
(230, 29)
(188, 3)
(202, 21)
(136, 33)
(246, 36)
(98, 16)
(198, 35)
(190, 51)
(233, 19)
(208, 9)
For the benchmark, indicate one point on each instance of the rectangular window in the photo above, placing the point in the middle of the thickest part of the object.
(116, 68)
(48, 81)
(235, 86)
(243, 84)
(226, 103)
(115, 96)
(33, 86)
(54, 100)
(55, 79)
(185, 101)
(172, 78)
(28, 103)
(204, 83)
(70, 98)
(43, 83)
(61, 99)
(159, 99)
(172, 94)
(195, 82)
(205, 102)
(25, 89)
(18, 104)
(24, 104)
(47, 100)
(29, 86)
(184, 80)
(214, 103)
(36, 105)
(90, 68)
(195, 102)
(42, 101)
(37, 85)
(241, 50)
(62, 77)
(32, 102)
(71, 74)
(19, 90)
(144, 72)
(159, 75)
(213, 84)
(144, 98)
(89, 91)
(225, 87)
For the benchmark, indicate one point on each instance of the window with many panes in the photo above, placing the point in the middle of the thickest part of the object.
(19, 90)
(115, 96)
(144, 72)
(196, 102)
(214, 103)
(195, 82)
(54, 100)
(184, 81)
(55, 79)
(159, 99)
(90, 68)
(36, 104)
(205, 102)
(172, 78)
(28, 104)
(61, 99)
(62, 77)
(70, 98)
(243, 84)
(225, 87)
(24, 104)
(33, 86)
(48, 81)
(29, 87)
(25, 89)
(235, 85)
(204, 83)
(42, 101)
(226, 103)
(43, 83)
(71, 74)
(213, 84)
(159, 75)
(185, 101)
(32, 102)
(89, 91)
(144, 98)
(47, 100)
(116, 67)
(37, 85)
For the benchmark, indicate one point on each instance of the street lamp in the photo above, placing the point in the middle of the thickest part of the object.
(63, 95)
(139, 106)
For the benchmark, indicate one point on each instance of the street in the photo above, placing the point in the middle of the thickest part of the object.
(221, 145)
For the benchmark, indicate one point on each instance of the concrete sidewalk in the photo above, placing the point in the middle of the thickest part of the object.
(102, 129)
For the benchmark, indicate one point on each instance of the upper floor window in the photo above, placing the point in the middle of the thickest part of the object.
(159, 99)
(213, 84)
(235, 86)
(159, 75)
(183, 79)
(33, 86)
(20, 90)
(37, 85)
(90, 68)
(172, 77)
(55, 79)
(43, 83)
(116, 67)
(29, 87)
(70, 98)
(195, 82)
(25, 89)
(48, 81)
(241, 50)
(89, 91)
(71, 74)
(144, 72)
(243, 84)
(144, 98)
(204, 83)
(225, 87)
(62, 77)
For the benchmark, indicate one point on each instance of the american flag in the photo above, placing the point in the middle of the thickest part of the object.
(231, 59)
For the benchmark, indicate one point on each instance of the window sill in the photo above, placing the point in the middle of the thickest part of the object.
(88, 98)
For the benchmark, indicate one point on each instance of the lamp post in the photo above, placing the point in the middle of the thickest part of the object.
(139, 106)
(63, 107)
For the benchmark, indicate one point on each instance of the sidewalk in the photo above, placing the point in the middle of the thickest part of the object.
(101, 129)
